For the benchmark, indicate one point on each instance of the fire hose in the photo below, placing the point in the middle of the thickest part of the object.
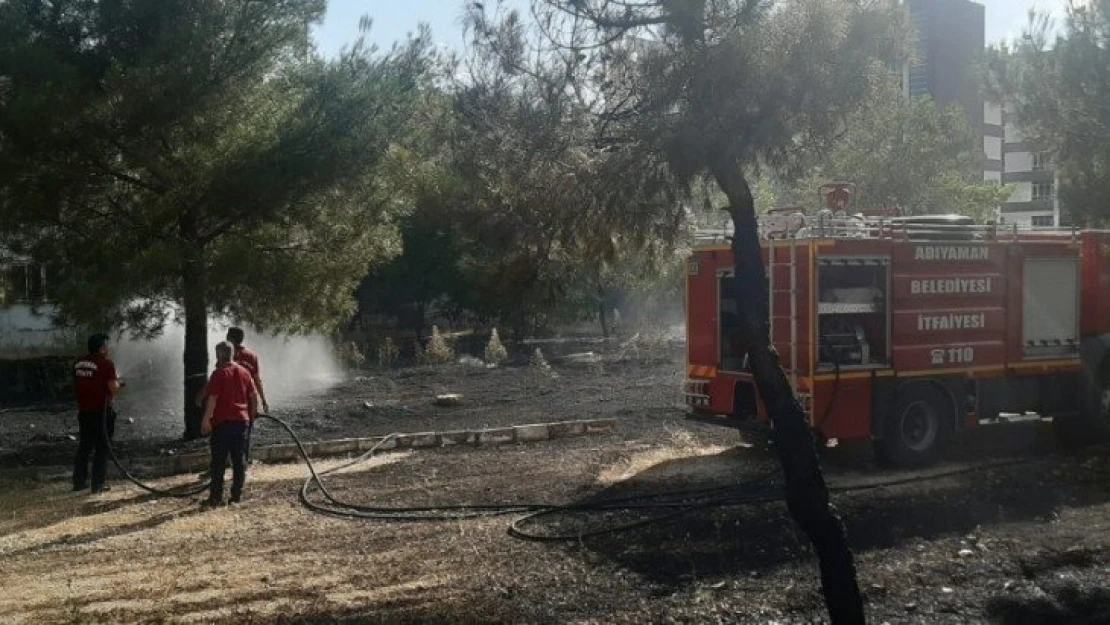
(182, 494)
(669, 505)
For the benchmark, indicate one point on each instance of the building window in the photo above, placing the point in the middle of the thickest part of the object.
(22, 283)
(1041, 161)
(1042, 191)
(1042, 221)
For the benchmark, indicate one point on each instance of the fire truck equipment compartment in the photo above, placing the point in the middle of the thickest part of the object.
(1050, 307)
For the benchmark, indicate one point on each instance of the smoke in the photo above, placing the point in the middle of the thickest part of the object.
(293, 368)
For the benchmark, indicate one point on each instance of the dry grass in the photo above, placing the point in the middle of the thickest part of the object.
(124, 557)
(285, 471)
(675, 460)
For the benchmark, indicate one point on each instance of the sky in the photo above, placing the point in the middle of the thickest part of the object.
(394, 19)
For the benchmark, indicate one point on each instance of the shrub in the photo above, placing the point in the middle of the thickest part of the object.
(388, 353)
(495, 351)
(538, 363)
(438, 352)
(350, 354)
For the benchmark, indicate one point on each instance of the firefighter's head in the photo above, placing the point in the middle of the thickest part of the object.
(98, 344)
(224, 350)
(235, 336)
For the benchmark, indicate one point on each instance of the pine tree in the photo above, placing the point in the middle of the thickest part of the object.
(538, 364)
(191, 158)
(716, 89)
(438, 351)
(495, 352)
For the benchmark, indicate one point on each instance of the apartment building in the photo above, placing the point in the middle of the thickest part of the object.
(951, 41)
(994, 139)
(1032, 176)
(950, 45)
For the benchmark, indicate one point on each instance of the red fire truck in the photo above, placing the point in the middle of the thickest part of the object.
(907, 330)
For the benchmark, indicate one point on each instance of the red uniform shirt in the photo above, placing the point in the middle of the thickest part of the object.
(91, 375)
(248, 359)
(232, 386)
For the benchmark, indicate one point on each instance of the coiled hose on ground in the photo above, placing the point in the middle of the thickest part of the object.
(670, 504)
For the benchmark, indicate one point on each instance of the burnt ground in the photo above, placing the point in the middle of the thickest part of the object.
(1013, 531)
(631, 385)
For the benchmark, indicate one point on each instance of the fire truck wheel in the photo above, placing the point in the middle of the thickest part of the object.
(919, 429)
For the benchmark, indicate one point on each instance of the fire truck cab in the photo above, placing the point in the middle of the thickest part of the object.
(906, 330)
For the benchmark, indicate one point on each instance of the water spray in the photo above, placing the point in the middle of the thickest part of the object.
(292, 365)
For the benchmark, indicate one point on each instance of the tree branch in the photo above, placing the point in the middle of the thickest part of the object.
(128, 178)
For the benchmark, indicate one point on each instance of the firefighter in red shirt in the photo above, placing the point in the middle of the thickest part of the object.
(231, 404)
(96, 384)
(249, 359)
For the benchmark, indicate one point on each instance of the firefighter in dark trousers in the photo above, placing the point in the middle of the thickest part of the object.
(231, 404)
(249, 359)
(96, 384)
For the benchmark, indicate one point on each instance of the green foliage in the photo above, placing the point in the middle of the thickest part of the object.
(964, 194)
(561, 184)
(429, 270)
(917, 155)
(765, 192)
(550, 208)
(1057, 94)
(198, 152)
(730, 85)
(707, 204)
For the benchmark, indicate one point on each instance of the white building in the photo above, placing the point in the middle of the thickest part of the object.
(27, 328)
(993, 137)
(1030, 173)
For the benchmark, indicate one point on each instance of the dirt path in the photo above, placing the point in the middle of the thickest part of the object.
(1028, 543)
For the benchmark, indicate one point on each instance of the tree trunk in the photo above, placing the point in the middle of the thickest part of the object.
(603, 317)
(419, 322)
(195, 302)
(807, 496)
(520, 323)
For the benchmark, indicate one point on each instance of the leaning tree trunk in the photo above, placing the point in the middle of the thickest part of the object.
(195, 302)
(807, 496)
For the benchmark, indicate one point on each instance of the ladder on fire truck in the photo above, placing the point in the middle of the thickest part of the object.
(792, 266)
